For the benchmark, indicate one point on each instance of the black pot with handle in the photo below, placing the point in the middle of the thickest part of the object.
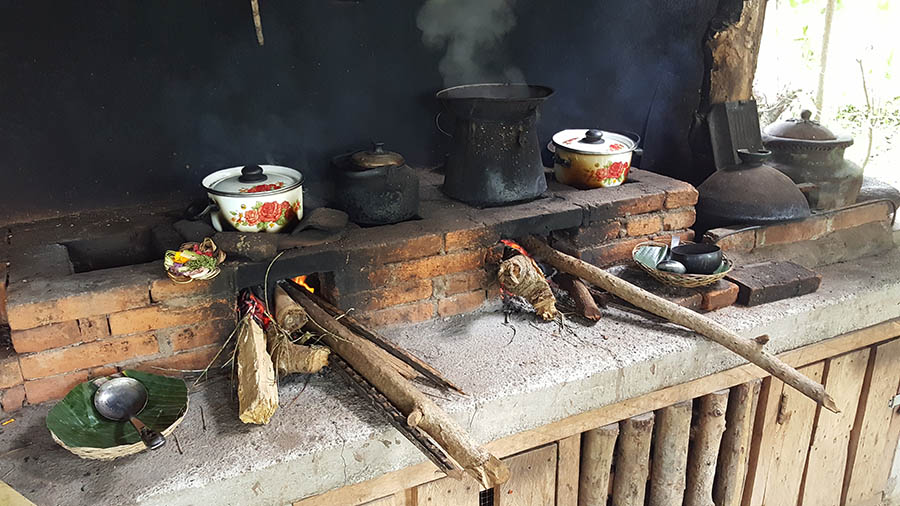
(377, 187)
(494, 158)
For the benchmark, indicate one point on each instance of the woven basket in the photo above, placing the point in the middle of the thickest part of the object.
(113, 452)
(682, 280)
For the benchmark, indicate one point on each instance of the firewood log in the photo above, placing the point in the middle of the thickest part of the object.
(372, 363)
(746, 348)
(584, 301)
(704, 450)
(257, 389)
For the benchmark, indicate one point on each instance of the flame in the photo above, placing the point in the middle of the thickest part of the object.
(301, 280)
(515, 246)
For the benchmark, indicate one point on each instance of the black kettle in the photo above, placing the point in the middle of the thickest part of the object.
(376, 187)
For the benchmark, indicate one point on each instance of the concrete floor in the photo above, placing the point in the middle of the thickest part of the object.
(517, 376)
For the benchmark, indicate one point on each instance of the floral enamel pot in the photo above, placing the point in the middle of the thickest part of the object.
(255, 198)
(592, 158)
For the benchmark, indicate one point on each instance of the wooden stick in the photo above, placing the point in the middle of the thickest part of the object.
(670, 453)
(704, 452)
(257, 390)
(633, 461)
(584, 301)
(401, 354)
(597, 447)
(371, 362)
(731, 468)
(257, 22)
(746, 348)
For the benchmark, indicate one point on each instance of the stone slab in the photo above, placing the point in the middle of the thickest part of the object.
(770, 281)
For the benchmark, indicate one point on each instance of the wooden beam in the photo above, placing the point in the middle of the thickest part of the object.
(567, 470)
(826, 464)
(735, 50)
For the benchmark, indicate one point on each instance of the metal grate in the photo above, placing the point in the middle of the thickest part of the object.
(486, 497)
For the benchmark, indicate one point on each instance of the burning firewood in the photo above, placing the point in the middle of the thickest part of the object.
(521, 276)
(292, 358)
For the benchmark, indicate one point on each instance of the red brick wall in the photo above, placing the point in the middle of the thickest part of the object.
(92, 324)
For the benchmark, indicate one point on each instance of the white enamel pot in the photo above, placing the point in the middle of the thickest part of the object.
(592, 158)
(255, 198)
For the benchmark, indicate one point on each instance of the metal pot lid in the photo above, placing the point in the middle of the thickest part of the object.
(252, 179)
(593, 141)
(376, 157)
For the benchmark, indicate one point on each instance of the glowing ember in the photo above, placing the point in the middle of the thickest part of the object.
(515, 246)
(301, 280)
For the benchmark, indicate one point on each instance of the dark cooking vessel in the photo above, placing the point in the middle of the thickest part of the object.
(698, 258)
(376, 187)
(494, 158)
(751, 193)
(810, 154)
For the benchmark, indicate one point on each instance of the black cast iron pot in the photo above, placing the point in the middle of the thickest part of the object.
(376, 187)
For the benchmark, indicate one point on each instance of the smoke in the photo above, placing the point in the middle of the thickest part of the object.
(472, 31)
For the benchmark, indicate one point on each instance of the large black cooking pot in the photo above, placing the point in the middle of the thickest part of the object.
(494, 157)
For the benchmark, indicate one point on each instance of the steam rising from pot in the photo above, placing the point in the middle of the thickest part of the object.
(472, 31)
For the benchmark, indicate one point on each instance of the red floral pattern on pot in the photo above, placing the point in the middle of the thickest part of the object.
(264, 215)
(616, 147)
(265, 187)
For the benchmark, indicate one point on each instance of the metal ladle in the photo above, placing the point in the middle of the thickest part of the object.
(120, 399)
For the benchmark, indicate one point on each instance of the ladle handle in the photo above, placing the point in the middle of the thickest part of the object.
(150, 437)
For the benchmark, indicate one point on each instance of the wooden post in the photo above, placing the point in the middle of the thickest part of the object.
(670, 453)
(633, 461)
(659, 306)
(735, 449)
(597, 447)
(735, 50)
(704, 451)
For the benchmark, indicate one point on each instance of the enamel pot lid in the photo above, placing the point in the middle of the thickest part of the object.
(252, 179)
(594, 141)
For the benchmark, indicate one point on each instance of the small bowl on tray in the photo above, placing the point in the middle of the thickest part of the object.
(650, 253)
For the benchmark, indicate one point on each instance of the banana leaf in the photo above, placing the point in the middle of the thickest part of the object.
(76, 422)
(650, 256)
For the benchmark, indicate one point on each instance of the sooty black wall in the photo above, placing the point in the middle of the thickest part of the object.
(108, 103)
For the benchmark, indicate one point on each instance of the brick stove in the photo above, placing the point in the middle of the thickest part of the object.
(67, 327)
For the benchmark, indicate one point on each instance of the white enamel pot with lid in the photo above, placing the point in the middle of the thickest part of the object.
(255, 198)
(592, 158)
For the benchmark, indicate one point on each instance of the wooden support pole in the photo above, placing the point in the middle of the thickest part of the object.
(704, 452)
(731, 469)
(373, 364)
(643, 299)
(597, 447)
(633, 461)
(670, 453)
(735, 50)
(257, 389)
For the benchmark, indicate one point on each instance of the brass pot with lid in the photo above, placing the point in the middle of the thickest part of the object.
(813, 157)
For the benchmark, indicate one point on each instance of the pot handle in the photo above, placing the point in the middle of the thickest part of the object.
(437, 123)
(561, 161)
(198, 209)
